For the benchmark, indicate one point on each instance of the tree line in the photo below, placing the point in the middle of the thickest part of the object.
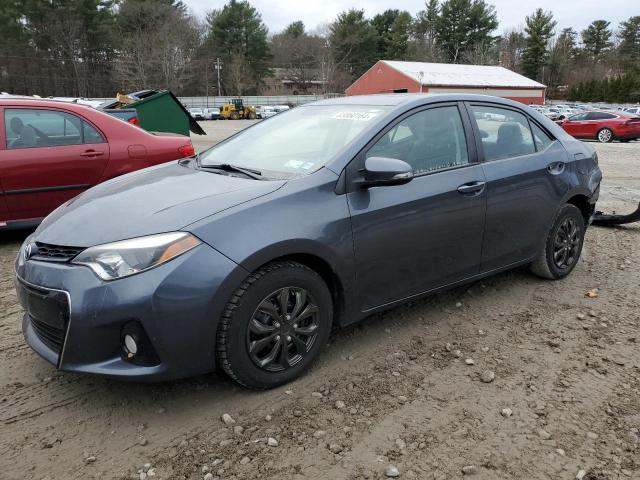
(97, 47)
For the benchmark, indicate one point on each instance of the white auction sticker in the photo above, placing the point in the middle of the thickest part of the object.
(360, 116)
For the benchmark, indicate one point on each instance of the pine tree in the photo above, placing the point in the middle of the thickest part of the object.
(425, 32)
(464, 26)
(539, 31)
(596, 38)
(239, 37)
(630, 42)
(353, 42)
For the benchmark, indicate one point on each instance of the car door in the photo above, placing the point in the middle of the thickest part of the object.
(412, 238)
(594, 123)
(48, 157)
(525, 175)
(575, 125)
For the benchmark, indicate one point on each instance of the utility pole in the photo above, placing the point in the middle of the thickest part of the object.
(218, 68)
(206, 81)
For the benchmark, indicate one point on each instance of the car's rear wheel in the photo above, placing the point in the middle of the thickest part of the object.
(563, 245)
(605, 135)
(274, 325)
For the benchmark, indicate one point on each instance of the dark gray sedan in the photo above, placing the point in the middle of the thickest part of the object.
(242, 258)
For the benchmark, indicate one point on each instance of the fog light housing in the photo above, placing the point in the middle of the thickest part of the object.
(136, 347)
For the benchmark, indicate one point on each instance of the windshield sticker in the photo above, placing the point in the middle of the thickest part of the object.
(295, 164)
(360, 116)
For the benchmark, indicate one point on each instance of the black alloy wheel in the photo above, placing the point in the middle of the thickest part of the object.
(274, 325)
(566, 244)
(283, 329)
(562, 246)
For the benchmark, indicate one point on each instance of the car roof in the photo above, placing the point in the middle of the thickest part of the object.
(39, 102)
(408, 100)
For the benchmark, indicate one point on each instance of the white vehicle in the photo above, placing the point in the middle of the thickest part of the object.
(496, 117)
(281, 108)
(212, 113)
(267, 112)
(197, 113)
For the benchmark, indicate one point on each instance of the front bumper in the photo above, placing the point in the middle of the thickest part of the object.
(75, 321)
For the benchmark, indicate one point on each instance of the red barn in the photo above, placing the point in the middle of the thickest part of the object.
(388, 76)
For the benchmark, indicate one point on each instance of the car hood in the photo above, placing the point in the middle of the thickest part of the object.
(159, 199)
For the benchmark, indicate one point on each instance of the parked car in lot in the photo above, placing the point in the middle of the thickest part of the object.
(50, 151)
(265, 111)
(603, 126)
(553, 114)
(244, 257)
(212, 113)
(197, 113)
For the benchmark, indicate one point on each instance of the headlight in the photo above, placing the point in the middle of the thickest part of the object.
(128, 257)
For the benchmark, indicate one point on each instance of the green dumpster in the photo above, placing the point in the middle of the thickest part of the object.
(161, 111)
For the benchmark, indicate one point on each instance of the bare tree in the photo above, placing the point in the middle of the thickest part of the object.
(158, 53)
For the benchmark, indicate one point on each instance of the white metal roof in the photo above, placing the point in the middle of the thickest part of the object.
(457, 75)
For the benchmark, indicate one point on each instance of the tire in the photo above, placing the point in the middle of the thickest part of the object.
(252, 115)
(234, 116)
(549, 263)
(253, 330)
(605, 135)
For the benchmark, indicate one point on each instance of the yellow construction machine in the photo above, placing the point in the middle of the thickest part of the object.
(236, 110)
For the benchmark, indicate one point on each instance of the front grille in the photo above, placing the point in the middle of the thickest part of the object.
(51, 336)
(55, 253)
(48, 313)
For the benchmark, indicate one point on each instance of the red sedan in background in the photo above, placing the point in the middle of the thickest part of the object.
(603, 126)
(51, 151)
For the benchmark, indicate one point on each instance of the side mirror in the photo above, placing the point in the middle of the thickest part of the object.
(382, 171)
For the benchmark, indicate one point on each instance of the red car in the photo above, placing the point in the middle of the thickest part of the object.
(603, 126)
(51, 151)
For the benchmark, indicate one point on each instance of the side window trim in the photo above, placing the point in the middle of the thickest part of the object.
(544, 130)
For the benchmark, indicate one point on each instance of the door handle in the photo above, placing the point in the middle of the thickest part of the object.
(556, 168)
(91, 153)
(472, 188)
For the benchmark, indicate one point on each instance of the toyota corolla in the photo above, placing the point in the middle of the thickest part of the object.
(244, 257)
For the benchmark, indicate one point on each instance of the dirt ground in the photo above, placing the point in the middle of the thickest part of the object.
(411, 388)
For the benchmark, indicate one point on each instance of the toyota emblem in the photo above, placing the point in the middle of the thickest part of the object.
(26, 252)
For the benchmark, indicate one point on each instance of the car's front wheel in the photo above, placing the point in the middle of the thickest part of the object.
(563, 245)
(605, 135)
(274, 325)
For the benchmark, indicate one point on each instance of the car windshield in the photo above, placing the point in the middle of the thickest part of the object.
(296, 142)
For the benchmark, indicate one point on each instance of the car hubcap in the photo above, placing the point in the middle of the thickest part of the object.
(604, 136)
(566, 244)
(283, 329)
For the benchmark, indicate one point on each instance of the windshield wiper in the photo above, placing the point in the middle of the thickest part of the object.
(249, 172)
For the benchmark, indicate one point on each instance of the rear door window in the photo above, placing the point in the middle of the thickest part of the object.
(505, 133)
(30, 128)
(542, 138)
(600, 116)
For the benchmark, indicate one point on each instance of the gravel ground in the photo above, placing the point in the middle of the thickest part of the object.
(511, 377)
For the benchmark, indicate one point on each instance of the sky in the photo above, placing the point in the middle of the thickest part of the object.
(577, 14)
